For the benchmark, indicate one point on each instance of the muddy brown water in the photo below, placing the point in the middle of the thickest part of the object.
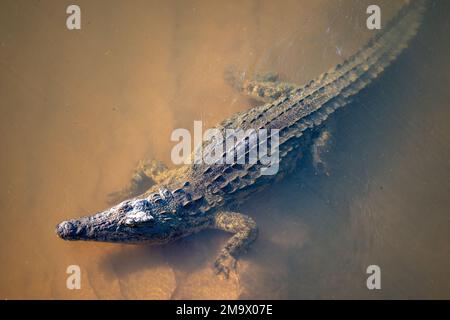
(79, 109)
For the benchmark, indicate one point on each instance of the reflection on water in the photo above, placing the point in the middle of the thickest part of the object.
(79, 109)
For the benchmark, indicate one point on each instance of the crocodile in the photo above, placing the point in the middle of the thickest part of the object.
(165, 205)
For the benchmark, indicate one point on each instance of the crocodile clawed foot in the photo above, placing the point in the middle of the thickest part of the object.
(261, 87)
(225, 265)
(245, 232)
(144, 176)
(268, 77)
(138, 184)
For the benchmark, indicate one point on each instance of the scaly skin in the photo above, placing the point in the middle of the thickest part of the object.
(199, 196)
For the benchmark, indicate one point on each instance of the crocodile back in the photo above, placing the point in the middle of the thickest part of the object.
(300, 115)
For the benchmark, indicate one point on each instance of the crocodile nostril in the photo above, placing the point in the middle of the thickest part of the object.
(66, 230)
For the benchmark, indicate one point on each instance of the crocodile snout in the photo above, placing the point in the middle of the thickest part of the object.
(67, 230)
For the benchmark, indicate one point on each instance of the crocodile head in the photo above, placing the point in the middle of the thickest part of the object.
(152, 220)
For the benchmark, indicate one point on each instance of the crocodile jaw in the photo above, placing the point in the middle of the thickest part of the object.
(95, 228)
(112, 225)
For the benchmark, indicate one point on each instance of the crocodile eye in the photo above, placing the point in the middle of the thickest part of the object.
(139, 219)
(129, 223)
(142, 205)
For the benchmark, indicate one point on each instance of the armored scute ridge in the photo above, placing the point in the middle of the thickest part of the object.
(199, 196)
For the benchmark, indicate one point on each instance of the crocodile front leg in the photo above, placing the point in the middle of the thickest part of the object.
(264, 88)
(144, 176)
(245, 232)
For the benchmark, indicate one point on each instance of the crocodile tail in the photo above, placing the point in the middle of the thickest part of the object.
(312, 104)
(333, 88)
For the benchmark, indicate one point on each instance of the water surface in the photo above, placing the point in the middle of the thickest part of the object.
(79, 109)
